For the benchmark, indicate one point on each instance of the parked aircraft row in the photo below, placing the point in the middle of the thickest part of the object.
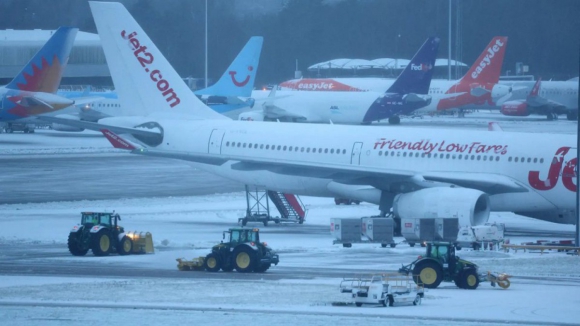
(417, 172)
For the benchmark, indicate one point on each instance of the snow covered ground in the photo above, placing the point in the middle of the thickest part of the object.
(545, 288)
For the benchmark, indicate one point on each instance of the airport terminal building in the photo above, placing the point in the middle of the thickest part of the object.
(86, 66)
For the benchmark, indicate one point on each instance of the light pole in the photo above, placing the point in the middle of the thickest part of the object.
(205, 43)
(449, 46)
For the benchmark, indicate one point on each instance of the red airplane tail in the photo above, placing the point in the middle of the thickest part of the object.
(487, 68)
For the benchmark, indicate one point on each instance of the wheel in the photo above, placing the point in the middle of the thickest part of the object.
(265, 223)
(262, 268)
(347, 245)
(358, 304)
(301, 221)
(211, 263)
(549, 116)
(470, 279)
(394, 120)
(244, 259)
(125, 246)
(74, 244)
(244, 221)
(383, 302)
(475, 246)
(390, 301)
(429, 273)
(458, 280)
(393, 245)
(411, 244)
(101, 245)
(384, 245)
(417, 300)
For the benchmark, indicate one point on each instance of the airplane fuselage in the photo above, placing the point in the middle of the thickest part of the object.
(545, 169)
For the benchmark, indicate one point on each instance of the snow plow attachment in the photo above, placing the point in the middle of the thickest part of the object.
(195, 264)
(502, 279)
(142, 242)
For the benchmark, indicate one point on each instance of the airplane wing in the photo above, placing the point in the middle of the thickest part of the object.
(138, 132)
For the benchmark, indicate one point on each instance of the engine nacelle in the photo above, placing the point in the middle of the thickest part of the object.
(499, 91)
(61, 127)
(515, 109)
(252, 116)
(470, 206)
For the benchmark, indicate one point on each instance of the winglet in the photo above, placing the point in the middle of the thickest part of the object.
(536, 89)
(117, 141)
(494, 126)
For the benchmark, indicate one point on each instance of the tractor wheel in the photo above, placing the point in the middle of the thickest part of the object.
(101, 245)
(244, 259)
(383, 245)
(429, 273)
(262, 268)
(74, 244)
(358, 304)
(470, 279)
(458, 280)
(125, 246)
(212, 263)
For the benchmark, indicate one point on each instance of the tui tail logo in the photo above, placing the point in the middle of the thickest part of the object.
(421, 67)
(243, 82)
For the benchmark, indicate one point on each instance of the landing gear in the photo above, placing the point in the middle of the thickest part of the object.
(552, 116)
(394, 120)
(572, 115)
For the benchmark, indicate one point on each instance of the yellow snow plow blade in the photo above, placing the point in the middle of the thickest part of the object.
(142, 242)
(502, 279)
(195, 264)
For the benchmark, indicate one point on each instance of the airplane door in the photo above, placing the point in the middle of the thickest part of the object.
(215, 141)
(355, 156)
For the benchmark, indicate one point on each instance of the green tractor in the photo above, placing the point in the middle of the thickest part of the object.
(243, 252)
(100, 233)
(441, 264)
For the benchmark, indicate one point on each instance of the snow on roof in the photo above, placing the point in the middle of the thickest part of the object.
(381, 63)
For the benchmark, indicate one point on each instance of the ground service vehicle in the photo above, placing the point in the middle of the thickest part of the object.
(441, 264)
(383, 289)
(243, 252)
(101, 233)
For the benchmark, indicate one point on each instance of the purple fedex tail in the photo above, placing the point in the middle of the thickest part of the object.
(410, 90)
(44, 71)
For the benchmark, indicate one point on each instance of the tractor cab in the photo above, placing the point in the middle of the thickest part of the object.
(239, 235)
(90, 219)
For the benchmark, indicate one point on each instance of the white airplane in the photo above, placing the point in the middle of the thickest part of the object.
(479, 86)
(407, 94)
(418, 172)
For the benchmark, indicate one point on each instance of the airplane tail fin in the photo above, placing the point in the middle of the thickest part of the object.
(536, 89)
(416, 77)
(44, 71)
(487, 67)
(145, 81)
(239, 78)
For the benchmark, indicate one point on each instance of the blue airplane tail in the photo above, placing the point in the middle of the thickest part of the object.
(239, 78)
(44, 71)
(416, 77)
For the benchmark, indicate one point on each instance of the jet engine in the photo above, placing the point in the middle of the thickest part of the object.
(470, 206)
(515, 109)
(61, 127)
(498, 91)
(252, 116)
